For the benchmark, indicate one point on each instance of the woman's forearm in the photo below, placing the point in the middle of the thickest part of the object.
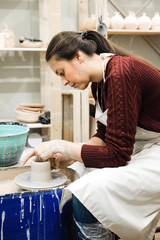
(95, 141)
(73, 150)
(47, 150)
(69, 149)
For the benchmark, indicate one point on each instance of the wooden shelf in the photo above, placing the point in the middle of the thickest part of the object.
(132, 32)
(24, 49)
(143, 33)
(38, 125)
(30, 125)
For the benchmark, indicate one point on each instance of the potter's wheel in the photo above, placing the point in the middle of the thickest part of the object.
(23, 180)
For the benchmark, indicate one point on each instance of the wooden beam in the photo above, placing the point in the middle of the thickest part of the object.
(85, 115)
(143, 6)
(83, 11)
(115, 4)
(152, 44)
(76, 116)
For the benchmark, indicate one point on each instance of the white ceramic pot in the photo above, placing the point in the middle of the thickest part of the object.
(155, 22)
(40, 171)
(9, 37)
(144, 22)
(131, 22)
(117, 22)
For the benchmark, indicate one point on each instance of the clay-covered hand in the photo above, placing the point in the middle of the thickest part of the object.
(45, 150)
(60, 161)
(48, 150)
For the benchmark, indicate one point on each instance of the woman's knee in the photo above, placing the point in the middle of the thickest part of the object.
(81, 213)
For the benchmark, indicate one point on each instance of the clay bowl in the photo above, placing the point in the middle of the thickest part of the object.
(13, 137)
(27, 116)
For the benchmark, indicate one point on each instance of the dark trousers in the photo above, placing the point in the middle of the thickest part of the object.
(84, 217)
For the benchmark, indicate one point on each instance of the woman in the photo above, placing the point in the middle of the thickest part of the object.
(122, 194)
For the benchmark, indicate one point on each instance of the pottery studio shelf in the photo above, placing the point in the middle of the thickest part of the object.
(38, 125)
(49, 25)
(24, 49)
(132, 32)
(30, 125)
(143, 33)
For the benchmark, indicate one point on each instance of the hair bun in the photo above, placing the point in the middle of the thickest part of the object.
(84, 35)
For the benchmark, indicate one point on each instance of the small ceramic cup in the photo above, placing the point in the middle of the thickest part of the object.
(40, 171)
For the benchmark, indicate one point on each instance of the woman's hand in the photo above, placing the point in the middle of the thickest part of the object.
(59, 152)
(43, 151)
(60, 161)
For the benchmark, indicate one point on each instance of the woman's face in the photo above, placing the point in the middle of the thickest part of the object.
(75, 72)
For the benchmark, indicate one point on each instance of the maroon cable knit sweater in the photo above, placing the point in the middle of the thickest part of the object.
(131, 93)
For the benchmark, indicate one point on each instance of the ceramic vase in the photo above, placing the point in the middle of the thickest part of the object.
(155, 22)
(117, 22)
(131, 22)
(9, 37)
(144, 22)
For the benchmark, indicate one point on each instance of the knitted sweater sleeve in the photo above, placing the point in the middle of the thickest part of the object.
(123, 99)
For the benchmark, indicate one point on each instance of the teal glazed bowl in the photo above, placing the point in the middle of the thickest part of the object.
(13, 136)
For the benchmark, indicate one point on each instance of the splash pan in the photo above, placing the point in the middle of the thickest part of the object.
(8, 185)
(23, 180)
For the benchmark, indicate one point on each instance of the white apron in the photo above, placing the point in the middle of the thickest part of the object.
(126, 200)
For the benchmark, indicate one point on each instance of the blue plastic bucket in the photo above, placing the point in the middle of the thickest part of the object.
(36, 216)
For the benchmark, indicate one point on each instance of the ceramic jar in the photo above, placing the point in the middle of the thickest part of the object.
(155, 22)
(9, 37)
(131, 22)
(144, 22)
(117, 22)
(88, 23)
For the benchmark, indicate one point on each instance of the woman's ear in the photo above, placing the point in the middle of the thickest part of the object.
(79, 56)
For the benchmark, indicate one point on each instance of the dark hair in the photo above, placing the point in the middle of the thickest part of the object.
(65, 45)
